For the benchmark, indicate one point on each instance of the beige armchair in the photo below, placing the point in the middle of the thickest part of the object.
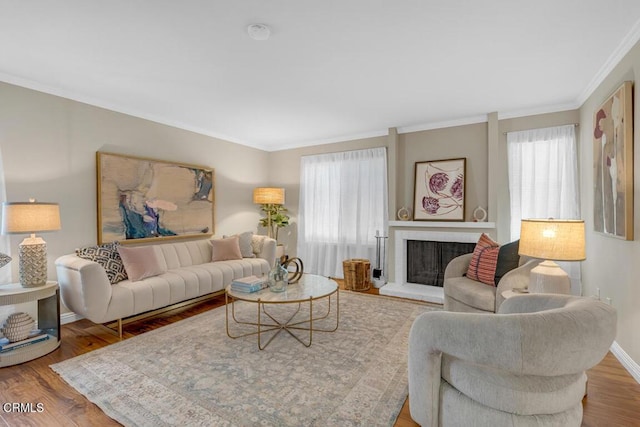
(466, 295)
(524, 366)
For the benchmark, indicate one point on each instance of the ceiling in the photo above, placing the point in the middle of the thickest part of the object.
(332, 70)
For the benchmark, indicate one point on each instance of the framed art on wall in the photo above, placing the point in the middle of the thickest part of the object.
(142, 199)
(613, 164)
(439, 190)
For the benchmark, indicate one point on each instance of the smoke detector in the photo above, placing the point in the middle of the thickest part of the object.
(259, 31)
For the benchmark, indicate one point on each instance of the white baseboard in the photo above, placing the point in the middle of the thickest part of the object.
(69, 317)
(626, 361)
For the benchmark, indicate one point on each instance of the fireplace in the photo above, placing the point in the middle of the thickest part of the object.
(427, 259)
(405, 288)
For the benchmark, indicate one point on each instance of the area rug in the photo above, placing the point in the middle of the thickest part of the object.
(191, 373)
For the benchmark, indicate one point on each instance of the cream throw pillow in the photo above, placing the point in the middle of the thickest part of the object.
(244, 241)
(140, 262)
(225, 249)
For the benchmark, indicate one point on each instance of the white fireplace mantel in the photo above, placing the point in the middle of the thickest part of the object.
(442, 224)
(452, 233)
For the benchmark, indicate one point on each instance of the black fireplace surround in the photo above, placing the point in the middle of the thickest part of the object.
(427, 260)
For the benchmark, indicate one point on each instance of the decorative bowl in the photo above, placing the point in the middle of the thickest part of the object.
(17, 327)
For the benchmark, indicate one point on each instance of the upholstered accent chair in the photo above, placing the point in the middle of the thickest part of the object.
(465, 295)
(524, 366)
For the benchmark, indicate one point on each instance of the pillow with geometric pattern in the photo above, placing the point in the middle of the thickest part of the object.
(108, 257)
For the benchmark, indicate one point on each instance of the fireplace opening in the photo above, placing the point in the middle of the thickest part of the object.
(427, 260)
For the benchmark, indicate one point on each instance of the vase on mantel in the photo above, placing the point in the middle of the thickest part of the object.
(278, 278)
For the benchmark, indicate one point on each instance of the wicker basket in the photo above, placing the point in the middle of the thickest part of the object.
(357, 274)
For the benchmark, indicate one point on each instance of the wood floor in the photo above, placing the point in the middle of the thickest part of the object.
(613, 399)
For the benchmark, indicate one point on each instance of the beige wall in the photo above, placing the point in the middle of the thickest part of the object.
(48, 148)
(612, 264)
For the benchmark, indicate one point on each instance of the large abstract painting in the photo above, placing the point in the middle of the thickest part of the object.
(141, 199)
(613, 165)
(440, 190)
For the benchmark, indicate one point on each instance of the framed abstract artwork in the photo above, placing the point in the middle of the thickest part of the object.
(439, 190)
(143, 199)
(613, 164)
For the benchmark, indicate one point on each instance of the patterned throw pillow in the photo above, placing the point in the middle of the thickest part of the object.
(244, 240)
(108, 257)
(484, 260)
(4, 259)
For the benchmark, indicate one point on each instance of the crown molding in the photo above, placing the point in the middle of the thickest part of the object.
(614, 59)
(482, 118)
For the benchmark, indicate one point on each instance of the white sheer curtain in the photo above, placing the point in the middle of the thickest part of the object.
(343, 201)
(543, 180)
(5, 247)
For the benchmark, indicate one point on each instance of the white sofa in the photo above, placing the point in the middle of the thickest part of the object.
(86, 290)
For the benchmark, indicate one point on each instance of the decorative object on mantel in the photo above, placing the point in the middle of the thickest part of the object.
(551, 240)
(439, 190)
(29, 218)
(613, 165)
(142, 199)
(479, 214)
(272, 201)
(404, 214)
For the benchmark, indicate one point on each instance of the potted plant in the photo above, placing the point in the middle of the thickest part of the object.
(276, 218)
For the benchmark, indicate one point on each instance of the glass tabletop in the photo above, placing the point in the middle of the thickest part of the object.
(310, 286)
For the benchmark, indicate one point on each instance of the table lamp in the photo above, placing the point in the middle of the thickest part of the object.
(29, 218)
(551, 240)
(268, 196)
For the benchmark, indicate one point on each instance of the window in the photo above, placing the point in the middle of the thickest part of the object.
(543, 175)
(343, 202)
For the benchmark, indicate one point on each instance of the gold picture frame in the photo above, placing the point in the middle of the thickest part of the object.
(439, 190)
(142, 199)
(613, 164)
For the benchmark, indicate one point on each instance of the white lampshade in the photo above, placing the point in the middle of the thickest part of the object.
(268, 196)
(30, 217)
(552, 239)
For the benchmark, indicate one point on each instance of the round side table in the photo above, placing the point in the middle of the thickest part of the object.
(47, 298)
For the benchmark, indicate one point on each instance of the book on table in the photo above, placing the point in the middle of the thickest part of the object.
(36, 337)
(249, 284)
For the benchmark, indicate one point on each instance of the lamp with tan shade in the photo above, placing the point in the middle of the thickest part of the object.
(271, 198)
(29, 218)
(551, 240)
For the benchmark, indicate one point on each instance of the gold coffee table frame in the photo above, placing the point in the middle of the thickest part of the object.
(310, 288)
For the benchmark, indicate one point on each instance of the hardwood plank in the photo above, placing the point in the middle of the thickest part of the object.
(613, 395)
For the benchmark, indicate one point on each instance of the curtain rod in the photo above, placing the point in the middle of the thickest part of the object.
(522, 130)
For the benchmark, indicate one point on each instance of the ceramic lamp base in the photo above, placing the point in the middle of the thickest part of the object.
(548, 277)
(33, 262)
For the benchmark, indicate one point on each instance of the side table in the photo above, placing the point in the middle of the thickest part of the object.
(47, 298)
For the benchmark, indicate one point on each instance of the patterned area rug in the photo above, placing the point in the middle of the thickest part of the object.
(191, 374)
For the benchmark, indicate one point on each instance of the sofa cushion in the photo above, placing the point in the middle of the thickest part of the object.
(508, 259)
(141, 262)
(245, 242)
(108, 257)
(225, 249)
(484, 260)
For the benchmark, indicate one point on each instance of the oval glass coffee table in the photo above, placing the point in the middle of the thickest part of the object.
(310, 288)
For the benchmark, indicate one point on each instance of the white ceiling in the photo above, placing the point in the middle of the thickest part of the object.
(332, 69)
